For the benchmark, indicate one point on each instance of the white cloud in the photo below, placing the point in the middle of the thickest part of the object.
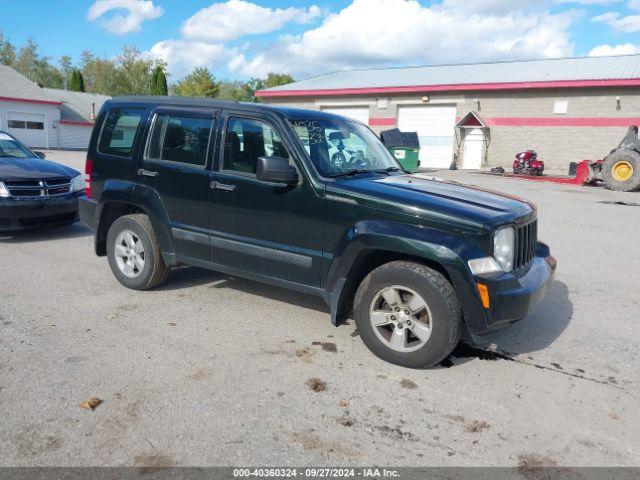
(495, 7)
(126, 15)
(589, 2)
(625, 24)
(182, 56)
(386, 32)
(608, 50)
(221, 22)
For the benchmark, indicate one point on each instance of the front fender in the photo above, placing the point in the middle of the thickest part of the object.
(444, 249)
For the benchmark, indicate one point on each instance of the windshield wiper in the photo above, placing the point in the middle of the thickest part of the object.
(388, 170)
(350, 173)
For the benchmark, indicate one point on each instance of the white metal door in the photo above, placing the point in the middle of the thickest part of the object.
(361, 114)
(29, 128)
(435, 126)
(473, 147)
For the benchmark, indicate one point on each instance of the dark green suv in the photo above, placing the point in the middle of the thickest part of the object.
(312, 202)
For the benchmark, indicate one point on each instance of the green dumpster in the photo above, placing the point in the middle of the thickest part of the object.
(404, 146)
(407, 157)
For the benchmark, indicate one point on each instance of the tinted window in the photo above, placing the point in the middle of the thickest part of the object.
(247, 140)
(180, 139)
(119, 131)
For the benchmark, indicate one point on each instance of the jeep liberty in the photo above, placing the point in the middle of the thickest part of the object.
(313, 202)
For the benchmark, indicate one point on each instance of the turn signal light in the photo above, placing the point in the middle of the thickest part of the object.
(484, 295)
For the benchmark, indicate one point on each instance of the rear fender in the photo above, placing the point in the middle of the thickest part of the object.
(442, 250)
(141, 197)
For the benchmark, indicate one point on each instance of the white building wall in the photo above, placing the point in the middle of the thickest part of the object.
(52, 118)
(74, 136)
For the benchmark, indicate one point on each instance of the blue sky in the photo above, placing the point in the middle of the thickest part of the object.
(242, 38)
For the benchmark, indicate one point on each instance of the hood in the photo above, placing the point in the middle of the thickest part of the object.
(32, 168)
(441, 199)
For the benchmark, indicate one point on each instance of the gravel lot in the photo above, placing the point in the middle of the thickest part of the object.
(211, 370)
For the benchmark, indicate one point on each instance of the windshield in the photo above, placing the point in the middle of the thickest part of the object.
(11, 148)
(340, 147)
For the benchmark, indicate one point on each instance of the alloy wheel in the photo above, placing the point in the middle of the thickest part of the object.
(400, 318)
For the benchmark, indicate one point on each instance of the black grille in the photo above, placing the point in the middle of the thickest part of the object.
(526, 242)
(39, 188)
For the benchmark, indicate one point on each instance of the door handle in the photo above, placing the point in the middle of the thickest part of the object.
(147, 173)
(222, 186)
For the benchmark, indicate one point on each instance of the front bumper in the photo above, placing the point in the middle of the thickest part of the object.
(513, 296)
(19, 214)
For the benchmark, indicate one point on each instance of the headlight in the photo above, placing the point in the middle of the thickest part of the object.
(4, 193)
(77, 183)
(504, 247)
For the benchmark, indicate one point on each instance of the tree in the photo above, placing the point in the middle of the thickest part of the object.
(66, 69)
(159, 82)
(276, 79)
(7, 51)
(76, 82)
(100, 75)
(135, 72)
(35, 67)
(199, 83)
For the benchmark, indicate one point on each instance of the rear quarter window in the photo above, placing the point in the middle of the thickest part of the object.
(119, 131)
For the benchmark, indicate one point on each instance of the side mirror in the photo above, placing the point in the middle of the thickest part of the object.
(276, 170)
(40, 154)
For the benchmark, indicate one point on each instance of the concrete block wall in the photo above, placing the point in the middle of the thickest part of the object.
(557, 145)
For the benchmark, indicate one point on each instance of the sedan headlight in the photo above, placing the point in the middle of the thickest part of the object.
(504, 247)
(77, 183)
(4, 193)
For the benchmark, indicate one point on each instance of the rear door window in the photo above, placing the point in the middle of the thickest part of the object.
(179, 138)
(119, 131)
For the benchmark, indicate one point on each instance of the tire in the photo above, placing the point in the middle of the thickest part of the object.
(441, 314)
(616, 168)
(148, 273)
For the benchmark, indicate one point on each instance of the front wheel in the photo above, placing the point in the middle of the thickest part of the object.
(408, 314)
(133, 253)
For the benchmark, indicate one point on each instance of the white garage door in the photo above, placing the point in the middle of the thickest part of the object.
(29, 128)
(435, 125)
(360, 114)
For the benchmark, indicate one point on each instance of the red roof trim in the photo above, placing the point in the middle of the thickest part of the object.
(381, 122)
(78, 124)
(562, 121)
(29, 100)
(631, 82)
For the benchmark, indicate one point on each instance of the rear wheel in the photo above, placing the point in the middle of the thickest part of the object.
(621, 171)
(408, 314)
(133, 253)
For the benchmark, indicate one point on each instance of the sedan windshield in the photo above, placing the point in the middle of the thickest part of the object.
(341, 147)
(11, 148)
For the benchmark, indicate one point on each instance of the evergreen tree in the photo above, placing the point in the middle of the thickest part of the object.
(76, 82)
(159, 82)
